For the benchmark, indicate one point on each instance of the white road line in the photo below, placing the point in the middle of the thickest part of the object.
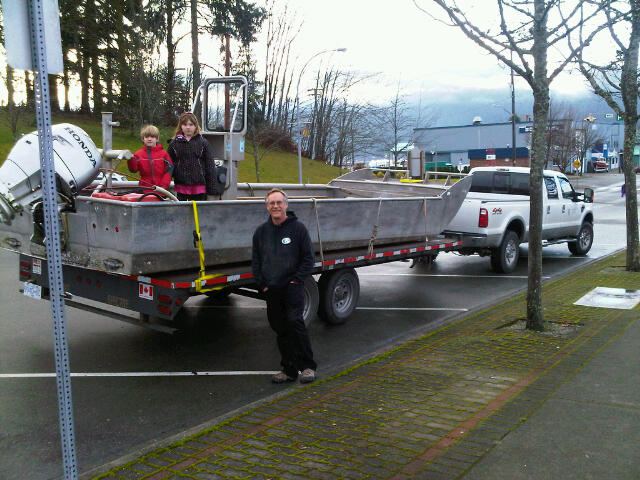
(139, 374)
(417, 309)
(246, 307)
(506, 277)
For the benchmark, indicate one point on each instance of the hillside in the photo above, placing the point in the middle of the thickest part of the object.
(275, 166)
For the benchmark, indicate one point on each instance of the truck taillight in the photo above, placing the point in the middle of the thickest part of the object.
(483, 218)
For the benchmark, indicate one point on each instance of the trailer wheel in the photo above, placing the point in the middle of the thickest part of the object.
(219, 295)
(505, 258)
(311, 300)
(339, 292)
(583, 242)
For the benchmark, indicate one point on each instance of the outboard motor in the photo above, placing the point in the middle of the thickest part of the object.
(76, 160)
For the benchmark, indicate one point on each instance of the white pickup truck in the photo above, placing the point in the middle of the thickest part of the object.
(494, 218)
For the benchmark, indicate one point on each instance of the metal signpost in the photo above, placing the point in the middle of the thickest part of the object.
(41, 19)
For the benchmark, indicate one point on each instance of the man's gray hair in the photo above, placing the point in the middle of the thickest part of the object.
(276, 190)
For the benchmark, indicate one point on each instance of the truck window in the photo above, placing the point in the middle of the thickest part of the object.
(482, 182)
(552, 190)
(519, 184)
(566, 188)
(500, 182)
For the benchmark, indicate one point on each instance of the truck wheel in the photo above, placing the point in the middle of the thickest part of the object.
(505, 258)
(311, 300)
(584, 240)
(339, 292)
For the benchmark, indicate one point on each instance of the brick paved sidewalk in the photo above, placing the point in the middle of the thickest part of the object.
(430, 408)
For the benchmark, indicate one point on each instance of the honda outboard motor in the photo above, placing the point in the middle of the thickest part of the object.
(76, 160)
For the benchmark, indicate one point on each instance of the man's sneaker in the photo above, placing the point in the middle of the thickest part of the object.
(282, 377)
(307, 376)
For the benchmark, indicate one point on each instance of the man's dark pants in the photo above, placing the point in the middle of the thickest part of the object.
(285, 307)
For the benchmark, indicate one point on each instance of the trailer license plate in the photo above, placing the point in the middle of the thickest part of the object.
(32, 290)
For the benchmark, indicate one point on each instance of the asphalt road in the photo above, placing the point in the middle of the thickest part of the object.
(121, 413)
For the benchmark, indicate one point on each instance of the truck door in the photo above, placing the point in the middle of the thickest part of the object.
(552, 214)
(571, 210)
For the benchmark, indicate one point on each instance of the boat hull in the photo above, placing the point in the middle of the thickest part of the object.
(145, 238)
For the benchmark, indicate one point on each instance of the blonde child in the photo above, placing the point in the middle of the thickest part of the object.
(151, 161)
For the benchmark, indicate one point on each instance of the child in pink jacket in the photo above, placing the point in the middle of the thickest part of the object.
(152, 161)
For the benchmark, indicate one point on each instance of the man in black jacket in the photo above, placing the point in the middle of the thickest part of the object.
(282, 259)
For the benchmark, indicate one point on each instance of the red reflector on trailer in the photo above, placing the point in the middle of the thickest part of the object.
(166, 299)
(483, 218)
(178, 301)
(164, 309)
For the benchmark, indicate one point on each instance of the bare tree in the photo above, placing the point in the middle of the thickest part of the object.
(395, 121)
(334, 123)
(559, 133)
(617, 84)
(586, 137)
(528, 29)
(282, 30)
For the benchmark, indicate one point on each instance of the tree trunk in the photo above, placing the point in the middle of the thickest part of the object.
(535, 315)
(171, 61)
(28, 86)
(121, 66)
(53, 93)
(10, 88)
(195, 57)
(65, 82)
(109, 76)
(96, 84)
(629, 90)
(84, 84)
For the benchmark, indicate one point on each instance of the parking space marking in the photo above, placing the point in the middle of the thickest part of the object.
(417, 309)
(444, 275)
(141, 374)
(249, 307)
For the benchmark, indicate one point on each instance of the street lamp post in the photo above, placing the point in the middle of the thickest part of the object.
(512, 114)
(513, 120)
(298, 124)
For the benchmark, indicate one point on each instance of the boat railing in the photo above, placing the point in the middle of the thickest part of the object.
(449, 177)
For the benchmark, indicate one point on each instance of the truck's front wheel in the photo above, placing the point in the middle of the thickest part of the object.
(505, 258)
(584, 240)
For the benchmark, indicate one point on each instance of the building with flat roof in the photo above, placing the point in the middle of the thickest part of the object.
(452, 144)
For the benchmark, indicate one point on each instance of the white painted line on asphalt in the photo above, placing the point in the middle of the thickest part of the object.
(249, 307)
(140, 374)
(506, 277)
(417, 309)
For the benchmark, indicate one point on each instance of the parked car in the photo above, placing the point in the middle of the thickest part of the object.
(600, 166)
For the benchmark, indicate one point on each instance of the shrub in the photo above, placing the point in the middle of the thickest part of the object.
(273, 137)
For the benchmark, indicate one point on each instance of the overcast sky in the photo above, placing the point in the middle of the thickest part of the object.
(406, 46)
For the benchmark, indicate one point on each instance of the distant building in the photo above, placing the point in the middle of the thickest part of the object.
(452, 144)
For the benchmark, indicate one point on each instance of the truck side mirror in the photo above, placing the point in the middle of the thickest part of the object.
(588, 195)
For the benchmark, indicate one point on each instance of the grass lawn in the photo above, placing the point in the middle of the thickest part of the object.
(275, 166)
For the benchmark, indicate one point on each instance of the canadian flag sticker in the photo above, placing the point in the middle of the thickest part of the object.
(145, 291)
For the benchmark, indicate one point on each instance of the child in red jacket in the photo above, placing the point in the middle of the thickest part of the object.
(153, 163)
